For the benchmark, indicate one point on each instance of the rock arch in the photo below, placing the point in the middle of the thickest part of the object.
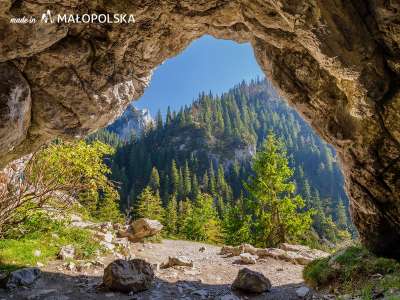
(337, 62)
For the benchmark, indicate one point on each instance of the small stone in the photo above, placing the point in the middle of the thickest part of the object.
(302, 292)
(70, 266)
(67, 252)
(39, 264)
(247, 258)
(37, 253)
(181, 261)
(251, 281)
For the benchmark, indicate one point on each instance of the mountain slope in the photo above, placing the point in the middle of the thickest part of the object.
(132, 121)
(207, 147)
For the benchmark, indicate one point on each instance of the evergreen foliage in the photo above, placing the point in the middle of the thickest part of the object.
(149, 205)
(276, 210)
(207, 147)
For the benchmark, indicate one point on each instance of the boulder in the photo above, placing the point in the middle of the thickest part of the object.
(247, 248)
(302, 254)
(140, 229)
(131, 276)
(21, 278)
(294, 248)
(275, 253)
(248, 259)
(293, 257)
(230, 250)
(67, 252)
(251, 281)
(180, 261)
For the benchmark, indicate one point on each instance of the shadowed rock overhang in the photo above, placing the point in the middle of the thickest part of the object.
(336, 62)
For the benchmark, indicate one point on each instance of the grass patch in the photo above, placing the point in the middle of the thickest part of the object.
(40, 233)
(356, 271)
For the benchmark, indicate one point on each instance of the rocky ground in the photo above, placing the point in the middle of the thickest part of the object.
(210, 277)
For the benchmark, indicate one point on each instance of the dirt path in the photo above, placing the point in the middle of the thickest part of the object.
(210, 277)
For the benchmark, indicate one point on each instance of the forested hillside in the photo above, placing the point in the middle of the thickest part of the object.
(207, 148)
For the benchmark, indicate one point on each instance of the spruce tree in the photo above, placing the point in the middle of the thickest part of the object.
(149, 205)
(187, 184)
(159, 120)
(174, 178)
(237, 222)
(276, 208)
(168, 119)
(202, 223)
(171, 216)
(195, 187)
(154, 181)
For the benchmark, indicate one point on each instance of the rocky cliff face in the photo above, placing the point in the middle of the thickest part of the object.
(337, 63)
(132, 121)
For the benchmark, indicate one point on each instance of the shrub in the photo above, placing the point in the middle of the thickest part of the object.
(354, 270)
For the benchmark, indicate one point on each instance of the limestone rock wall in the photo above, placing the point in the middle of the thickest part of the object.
(337, 62)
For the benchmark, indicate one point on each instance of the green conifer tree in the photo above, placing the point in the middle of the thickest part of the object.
(275, 207)
(149, 205)
(171, 216)
(174, 178)
(202, 224)
(187, 182)
(154, 181)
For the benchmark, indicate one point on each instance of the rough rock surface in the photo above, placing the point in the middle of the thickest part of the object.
(297, 254)
(248, 259)
(251, 281)
(22, 278)
(140, 229)
(67, 252)
(179, 261)
(125, 276)
(336, 62)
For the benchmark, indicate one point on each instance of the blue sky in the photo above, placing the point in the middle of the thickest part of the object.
(207, 64)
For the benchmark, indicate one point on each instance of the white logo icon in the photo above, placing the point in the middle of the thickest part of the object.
(47, 18)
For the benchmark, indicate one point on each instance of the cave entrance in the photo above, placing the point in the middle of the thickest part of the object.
(337, 64)
(222, 79)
